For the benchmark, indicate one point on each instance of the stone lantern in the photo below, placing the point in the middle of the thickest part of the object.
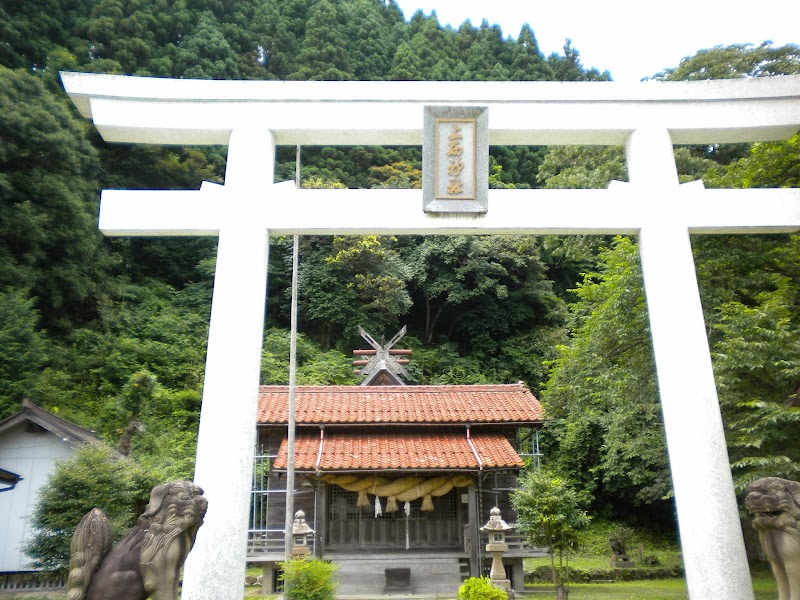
(496, 529)
(300, 533)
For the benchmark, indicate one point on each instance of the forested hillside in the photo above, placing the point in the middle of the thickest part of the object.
(111, 332)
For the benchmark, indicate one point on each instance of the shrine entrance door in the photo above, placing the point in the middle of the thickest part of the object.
(351, 527)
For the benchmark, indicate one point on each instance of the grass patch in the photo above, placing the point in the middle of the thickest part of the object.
(657, 589)
(667, 558)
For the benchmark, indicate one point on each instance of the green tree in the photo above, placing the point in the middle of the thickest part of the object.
(435, 48)
(528, 63)
(767, 164)
(372, 39)
(582, 167)
(736, 60)
(757, 364)
(602, 393)
(315, 366)
(479, 288)
(486, 56)
(156, 426)
(152, 328)
(398, 175)
(32, 32)
(123, 32)
(48, 198)
(569, 67)
(406, 65)
(93, 478)
(749, 288)
(324, 54)
(276, 43)
(22, 350)
(295, 13)
(348, 281)
(376, 274)
(550, 517)
(206, 53)
(443, 364)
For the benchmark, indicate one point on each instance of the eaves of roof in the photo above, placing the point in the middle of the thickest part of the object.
(62, 428)
(507, 404)
(424, 450)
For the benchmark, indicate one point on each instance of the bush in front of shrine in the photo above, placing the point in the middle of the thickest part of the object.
(308, 579)
(480, 588)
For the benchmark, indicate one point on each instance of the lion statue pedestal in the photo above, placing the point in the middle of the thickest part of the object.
(147, 561)
(775, 506)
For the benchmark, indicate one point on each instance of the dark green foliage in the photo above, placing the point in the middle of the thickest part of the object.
(370, 32)
(276, 45)
(406, 65)
(351, 281)
(30, 32)
(582, 167)
(528, 63)
(93, 478)
(308, 579)
(749, 286)
(324, 54)
(23, 350)
(314, 366)
(206, 54)
(478, 289)
(602, 391)
(49, 241)
(484, 53)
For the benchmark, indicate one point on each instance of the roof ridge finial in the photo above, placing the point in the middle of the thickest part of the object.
(383, 367)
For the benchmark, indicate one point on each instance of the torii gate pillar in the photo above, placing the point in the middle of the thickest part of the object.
(698, 456)
(227, 436)
(647, 118)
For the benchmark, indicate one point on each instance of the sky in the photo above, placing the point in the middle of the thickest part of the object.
(632, 39)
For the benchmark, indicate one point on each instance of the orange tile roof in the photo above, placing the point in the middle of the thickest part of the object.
(507, 403)
(344, 450)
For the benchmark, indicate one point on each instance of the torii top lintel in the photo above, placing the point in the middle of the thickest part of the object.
(176, 111)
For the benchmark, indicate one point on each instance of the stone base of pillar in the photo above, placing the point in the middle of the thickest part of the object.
(503, 584)
(268, 578)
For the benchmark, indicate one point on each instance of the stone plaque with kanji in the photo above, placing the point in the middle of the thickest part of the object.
(455, 160)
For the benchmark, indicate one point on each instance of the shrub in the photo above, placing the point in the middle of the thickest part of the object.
(308, 579)
(480, 588)
(94, 477)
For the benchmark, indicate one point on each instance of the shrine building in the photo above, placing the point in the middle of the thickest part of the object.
(394, 477)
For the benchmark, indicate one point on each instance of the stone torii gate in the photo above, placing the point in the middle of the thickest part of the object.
(648, 119)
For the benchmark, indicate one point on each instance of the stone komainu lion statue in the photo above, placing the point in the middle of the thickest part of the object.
(775, 506)
(147, 561)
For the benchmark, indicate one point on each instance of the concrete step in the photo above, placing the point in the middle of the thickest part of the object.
(430, 575)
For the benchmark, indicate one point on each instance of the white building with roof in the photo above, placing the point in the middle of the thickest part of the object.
(31, 442)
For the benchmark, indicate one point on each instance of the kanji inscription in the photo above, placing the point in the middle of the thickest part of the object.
(455, 177)
(455, 164)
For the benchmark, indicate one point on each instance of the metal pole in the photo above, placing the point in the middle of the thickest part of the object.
(297, 167)
(290, 436)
